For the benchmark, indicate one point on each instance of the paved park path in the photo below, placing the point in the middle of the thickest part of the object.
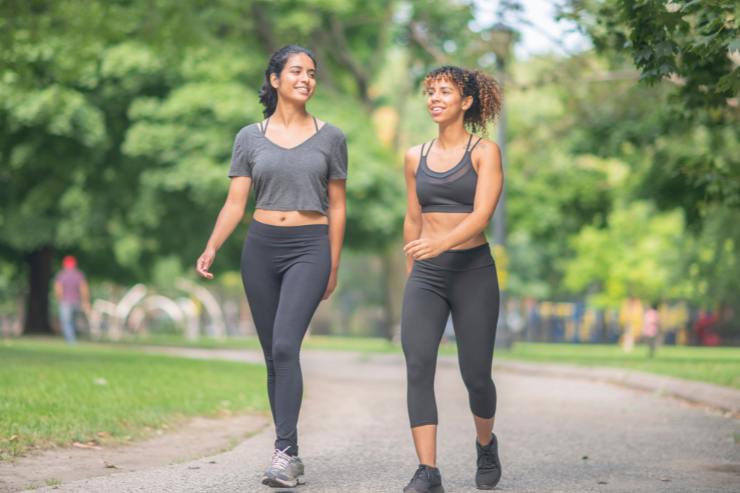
(556, 434)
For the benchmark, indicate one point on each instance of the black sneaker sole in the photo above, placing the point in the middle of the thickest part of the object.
(436, 489)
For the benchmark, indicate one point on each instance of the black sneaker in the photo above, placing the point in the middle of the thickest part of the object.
(489, 466)
(426, 479)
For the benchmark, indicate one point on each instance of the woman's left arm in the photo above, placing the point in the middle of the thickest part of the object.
(337, 218)
(487, 193)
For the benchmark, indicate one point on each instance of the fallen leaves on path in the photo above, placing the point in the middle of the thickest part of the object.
(88, 445)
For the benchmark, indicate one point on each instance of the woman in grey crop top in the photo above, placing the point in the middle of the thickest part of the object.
(453, 184)
(297, 167)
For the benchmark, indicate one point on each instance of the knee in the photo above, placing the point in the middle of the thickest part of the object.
(478, 382)
(420, 371)
(284, 353)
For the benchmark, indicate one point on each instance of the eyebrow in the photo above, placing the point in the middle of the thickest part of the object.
(301, 66)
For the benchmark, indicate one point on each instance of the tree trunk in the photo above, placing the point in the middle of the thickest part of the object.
(37, 302)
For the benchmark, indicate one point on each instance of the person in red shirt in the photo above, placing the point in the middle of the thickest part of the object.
(72, 294)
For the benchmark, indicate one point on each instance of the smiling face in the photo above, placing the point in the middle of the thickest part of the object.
(445, 101)
(297, 80)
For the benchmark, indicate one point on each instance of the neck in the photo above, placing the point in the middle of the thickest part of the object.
(452, 134)
(287, 114)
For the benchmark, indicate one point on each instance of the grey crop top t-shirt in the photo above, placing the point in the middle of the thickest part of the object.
(294, 179)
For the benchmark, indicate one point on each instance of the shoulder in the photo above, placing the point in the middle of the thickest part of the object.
(413, 152)
(487, 152)
(486, 147)
(412, 155)
(333, 133)
(247, 132)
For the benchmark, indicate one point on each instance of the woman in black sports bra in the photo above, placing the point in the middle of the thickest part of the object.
(453, 184)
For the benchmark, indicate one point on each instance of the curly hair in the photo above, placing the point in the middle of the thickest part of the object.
(483, 88)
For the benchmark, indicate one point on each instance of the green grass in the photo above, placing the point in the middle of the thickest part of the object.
(324, 343)
(179, 341)
(53, 394)
(718, 365)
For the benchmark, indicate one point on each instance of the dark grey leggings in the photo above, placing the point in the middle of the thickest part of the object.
(285, 270)
(463, 282)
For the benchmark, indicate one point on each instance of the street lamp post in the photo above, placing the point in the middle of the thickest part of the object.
(501, 37)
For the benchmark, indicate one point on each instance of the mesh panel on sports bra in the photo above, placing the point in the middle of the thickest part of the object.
(435, 177)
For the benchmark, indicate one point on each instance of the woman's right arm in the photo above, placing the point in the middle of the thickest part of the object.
(412, 221)
(231, 213)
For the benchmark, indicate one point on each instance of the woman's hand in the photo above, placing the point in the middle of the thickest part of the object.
(204, 263)
(330, 285)
(423, 248)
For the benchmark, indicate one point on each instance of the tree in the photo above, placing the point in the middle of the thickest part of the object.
(68, 72)
(690, 43)
(638, 254)
(116, 123)
(692, 50)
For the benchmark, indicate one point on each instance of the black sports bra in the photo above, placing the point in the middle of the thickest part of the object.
(448, 191)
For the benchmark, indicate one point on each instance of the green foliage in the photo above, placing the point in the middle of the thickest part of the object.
(713, 264)
(117, 119)
(690, 40)
(638, 253)
(684, 141)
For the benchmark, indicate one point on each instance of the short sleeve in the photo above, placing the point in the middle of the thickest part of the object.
(241, 164)
(338, 159)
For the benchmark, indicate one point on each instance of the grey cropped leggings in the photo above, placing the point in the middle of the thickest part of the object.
(285, 270)
(464, 283)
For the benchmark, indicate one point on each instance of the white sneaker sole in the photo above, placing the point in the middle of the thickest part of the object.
(279, 483)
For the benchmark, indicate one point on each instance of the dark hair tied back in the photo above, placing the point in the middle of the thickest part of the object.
(268, 94)
(483, 88)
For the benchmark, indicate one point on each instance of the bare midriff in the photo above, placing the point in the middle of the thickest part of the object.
(437, 225)
(289, 218)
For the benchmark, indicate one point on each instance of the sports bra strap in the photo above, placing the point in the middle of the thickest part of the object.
(315, 123)
(424, 155)
(467, 146)
(476, 143)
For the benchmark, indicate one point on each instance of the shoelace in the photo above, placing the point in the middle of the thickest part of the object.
(280, 459)
(487, 459)
(422, 471)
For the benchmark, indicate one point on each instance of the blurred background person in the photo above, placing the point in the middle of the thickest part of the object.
(72, 294)
(651, 328)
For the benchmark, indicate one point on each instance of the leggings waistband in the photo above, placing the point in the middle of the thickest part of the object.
(304, 231)
(470, 258)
